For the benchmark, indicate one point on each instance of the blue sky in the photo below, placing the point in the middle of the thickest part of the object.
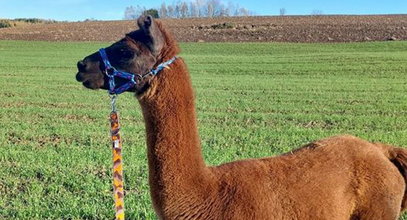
(76, 10)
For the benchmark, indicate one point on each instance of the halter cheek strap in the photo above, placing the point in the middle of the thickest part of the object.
(132, 78)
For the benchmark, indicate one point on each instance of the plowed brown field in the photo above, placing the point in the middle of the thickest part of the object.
(233, 29)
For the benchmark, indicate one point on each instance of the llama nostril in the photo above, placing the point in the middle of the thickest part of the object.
(79, 77)
(81, 66)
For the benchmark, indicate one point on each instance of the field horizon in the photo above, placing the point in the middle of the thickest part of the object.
(311, 29)
(252, 99)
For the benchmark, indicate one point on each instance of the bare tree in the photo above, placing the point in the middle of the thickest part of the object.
(282, 11)
(177, 10)
(236, 10)
(133, 12)
(210, 11)
(163, 11)
(170, 11)
(317, 12)
(217, 7)
(130, 13)
(224, 11)
(243, 12)
(191, 8)
(199, 5)
(184, 10)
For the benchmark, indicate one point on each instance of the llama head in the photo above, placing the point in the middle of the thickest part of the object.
(138, 52)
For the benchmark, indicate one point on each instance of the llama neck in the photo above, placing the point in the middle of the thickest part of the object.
(174, 152)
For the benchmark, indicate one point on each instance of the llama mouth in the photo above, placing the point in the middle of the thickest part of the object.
(91, 83)
(94, 84)
(85, 83)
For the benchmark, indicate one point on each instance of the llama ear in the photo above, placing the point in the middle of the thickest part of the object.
(144, 22)
(154, 37)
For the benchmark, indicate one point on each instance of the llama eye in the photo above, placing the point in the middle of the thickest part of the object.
(127, 54)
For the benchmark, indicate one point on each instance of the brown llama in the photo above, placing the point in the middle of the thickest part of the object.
(340, 177)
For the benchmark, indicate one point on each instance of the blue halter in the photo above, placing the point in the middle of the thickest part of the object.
(112, 72)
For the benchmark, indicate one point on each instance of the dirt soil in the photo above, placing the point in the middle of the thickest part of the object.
(233, 29)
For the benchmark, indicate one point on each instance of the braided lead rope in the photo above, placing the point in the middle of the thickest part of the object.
(118, 190)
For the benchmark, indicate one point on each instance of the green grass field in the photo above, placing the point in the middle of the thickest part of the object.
(253, 100)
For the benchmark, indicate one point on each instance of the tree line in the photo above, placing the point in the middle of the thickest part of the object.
(189, 9)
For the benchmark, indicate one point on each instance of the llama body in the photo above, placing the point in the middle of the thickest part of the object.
(319, 181)
(341, 177)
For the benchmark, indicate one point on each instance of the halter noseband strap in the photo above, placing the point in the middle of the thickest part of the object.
(133, 78)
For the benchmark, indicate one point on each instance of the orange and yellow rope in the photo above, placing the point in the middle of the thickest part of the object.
(117, 165)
